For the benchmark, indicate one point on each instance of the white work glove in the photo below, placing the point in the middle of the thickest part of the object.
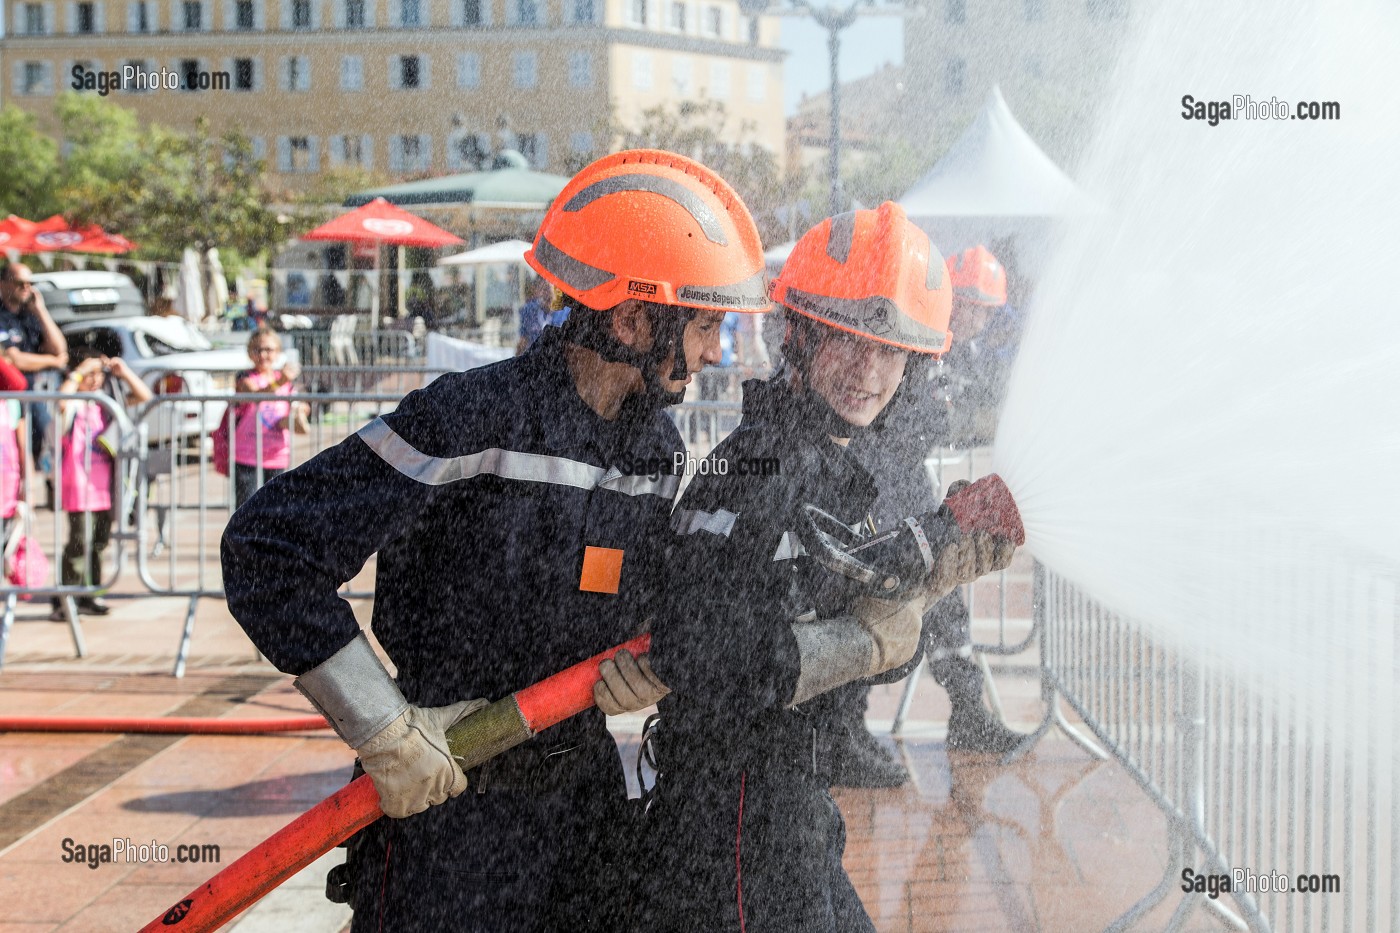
(627, 684)
(402, 748)
(879, 635)
(894, 627)
(409, 761)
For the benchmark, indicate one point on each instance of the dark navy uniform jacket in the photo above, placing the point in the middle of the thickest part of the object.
(741, 577)
(485, 496)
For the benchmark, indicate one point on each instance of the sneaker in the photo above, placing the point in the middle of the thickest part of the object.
(977, 730)
(93, 606)
(866, 763)
(58, 613)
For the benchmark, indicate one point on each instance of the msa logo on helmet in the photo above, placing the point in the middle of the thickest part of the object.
(641, 288)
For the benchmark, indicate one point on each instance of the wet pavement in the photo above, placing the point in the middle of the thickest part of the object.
(1056, 841)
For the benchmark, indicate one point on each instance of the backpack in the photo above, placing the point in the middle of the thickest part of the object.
(227, 425)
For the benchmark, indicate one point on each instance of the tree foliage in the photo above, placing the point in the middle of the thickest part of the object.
(29, 181)
(163, 189)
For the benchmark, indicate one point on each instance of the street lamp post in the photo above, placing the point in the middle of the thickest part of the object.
(833, 20)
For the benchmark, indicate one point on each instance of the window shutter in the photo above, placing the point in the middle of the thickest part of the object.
(425, 72)
(284, 154)
(367, 151)
(336, 151)
(425, 152)
(304, 73)
(313, 162)
(395, 154)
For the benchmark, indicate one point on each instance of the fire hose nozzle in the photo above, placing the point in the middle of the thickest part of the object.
(987, 505)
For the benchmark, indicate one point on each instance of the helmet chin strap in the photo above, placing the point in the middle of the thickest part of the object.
(668, 330)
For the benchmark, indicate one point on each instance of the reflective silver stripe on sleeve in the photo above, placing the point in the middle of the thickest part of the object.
(688, 521)
(636, 485)
(790, 547)
(507, 464)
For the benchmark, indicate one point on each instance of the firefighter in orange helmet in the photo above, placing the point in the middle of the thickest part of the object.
(744, 831)
(518, 512)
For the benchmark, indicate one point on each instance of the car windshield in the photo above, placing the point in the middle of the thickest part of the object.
(178, 337)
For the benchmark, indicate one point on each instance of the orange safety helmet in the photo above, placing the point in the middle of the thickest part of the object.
(654, 226)
(871, 273)
(978, 277)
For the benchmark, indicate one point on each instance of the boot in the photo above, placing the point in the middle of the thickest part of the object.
(971, 726)
(866, 763)
(93, 606)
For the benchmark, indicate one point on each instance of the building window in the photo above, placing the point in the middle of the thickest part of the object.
(1108, 9)
(639, 12)
(34, 19)
(955, 11)
(581, 143)
(299, 149)
(533, 146)
(140, 17)
(468, 70)
(1034, 10)
(714, 22)
(580, 69)
(410, 14)
(301, 14)
(243, 74)
(409, 74)
(243, 17)
(955, 76)
(87, 19)
(408, 154)
(641, 71)
(758, 82)
(753, 30)
(141, 84)
(582, 11)
(1035, 68)
(526, 69)
(678, 17)
(297, 73)
(682, 75)
(194, 15)
(350, 150)
(468, 152)
(471, 13)
(33, 82)
(719, 80)
(352, 73)
(527, 12)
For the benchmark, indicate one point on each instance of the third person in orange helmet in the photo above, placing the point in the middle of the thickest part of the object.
(773, 604)
(518, 512)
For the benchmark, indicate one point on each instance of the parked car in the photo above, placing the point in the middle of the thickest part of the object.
(88, 294)
(174, 358)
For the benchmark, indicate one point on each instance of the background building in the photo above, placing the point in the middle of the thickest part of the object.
(405, 87)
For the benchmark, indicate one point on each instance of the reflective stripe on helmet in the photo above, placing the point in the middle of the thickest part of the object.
(654, 184)
(577, 273)
(750, 293)
(789, 547)
(507, 464)
(843, 231)
(876, 317)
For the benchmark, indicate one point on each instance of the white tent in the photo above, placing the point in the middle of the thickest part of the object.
(994, 182)
(505, 251)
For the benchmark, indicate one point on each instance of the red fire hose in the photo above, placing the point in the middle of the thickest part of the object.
(483, 735)
(182, 725)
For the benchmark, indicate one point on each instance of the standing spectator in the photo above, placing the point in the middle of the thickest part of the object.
(12, 465)
(534, 315)
(261, 437)
(33, 344)
(88, 462)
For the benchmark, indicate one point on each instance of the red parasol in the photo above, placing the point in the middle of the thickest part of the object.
(381, 222)
(54, 233)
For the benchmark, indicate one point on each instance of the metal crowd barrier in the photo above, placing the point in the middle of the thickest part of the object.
(343, 346)
(1247, 781)
(184, 503)
(58, 535)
